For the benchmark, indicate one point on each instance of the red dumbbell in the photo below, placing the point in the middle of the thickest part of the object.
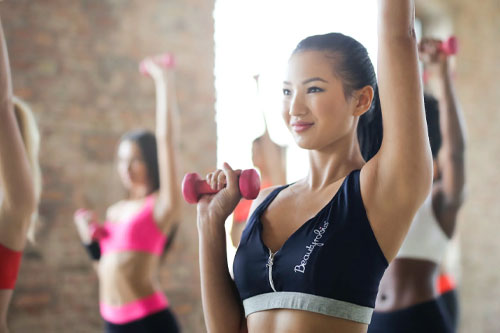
(449, 46)
(165, 60)
(193, 186)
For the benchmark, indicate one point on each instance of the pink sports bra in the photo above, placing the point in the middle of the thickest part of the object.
(140, 233)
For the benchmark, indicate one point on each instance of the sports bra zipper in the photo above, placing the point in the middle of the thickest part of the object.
(270, 262)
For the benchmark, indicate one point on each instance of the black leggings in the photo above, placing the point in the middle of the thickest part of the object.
(427, 317)
(163, 321)
(449, 300)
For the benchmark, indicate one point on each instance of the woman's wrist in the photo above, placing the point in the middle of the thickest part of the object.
(84, 233)
(440, 69)
(210, 227)
(160, 82)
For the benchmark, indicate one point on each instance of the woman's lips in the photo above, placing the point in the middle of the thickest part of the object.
(301, 127)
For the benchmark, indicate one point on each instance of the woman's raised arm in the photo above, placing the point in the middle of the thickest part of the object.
(397, 180)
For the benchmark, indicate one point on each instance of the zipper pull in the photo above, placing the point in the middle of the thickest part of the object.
(270, 262)
(270, 259)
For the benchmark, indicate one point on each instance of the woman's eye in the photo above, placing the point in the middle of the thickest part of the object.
(287, 92)
(314, 90)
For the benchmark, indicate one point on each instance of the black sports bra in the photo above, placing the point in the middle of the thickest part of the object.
(331, 265)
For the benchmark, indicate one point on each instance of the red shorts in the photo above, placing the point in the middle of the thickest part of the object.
(10, 261)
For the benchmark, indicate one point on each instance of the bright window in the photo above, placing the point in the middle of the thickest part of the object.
(257, 37)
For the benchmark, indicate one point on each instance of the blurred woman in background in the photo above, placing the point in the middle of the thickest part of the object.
(408, 300)
(127, 248)
(20, 181)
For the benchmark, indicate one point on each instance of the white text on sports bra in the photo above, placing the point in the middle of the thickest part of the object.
(319, 234)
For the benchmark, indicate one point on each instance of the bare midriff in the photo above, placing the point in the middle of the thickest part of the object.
(407, 282)
(127, 276)
(295, 321)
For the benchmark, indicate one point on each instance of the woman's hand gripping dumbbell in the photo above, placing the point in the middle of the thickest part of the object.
(88, 227)
(193, 186)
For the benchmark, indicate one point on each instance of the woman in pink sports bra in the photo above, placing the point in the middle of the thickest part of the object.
(126, 249)
(20, 182)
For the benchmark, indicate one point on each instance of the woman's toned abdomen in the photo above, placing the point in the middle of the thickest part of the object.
(295, 321)
(406, 282)
(127, 276)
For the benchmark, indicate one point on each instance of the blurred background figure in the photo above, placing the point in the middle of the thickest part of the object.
(270, 159)
(408, 300)
(20, 181)
(127, 248)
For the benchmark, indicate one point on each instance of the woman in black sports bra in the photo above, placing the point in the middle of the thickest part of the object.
(312, 253)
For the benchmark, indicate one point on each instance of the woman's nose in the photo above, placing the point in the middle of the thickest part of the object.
(297, 105)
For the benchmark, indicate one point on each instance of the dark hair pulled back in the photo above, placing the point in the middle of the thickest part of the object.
(147, 144)
(354, 67)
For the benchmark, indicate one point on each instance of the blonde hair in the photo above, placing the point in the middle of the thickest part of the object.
(31, 138)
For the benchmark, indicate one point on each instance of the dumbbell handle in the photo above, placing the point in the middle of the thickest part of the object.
(165, 60)
(193, 186)
(449, 46)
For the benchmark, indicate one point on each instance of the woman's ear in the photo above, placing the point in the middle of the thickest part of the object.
(363, 99)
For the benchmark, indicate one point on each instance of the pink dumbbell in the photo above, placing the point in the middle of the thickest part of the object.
(96, 230)
(449, 46)
(193, 186)
(165, 60)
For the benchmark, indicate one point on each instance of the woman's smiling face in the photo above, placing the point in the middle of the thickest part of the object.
(315, 107)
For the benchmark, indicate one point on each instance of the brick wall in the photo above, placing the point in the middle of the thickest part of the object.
(477, 24)
(75, 63)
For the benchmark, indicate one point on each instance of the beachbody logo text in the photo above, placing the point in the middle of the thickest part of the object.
(319, 234)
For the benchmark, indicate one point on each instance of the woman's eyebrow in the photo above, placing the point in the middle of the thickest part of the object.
(314, 79)
(308, 80)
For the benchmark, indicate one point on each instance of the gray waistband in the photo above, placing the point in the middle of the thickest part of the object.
(307, 302)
